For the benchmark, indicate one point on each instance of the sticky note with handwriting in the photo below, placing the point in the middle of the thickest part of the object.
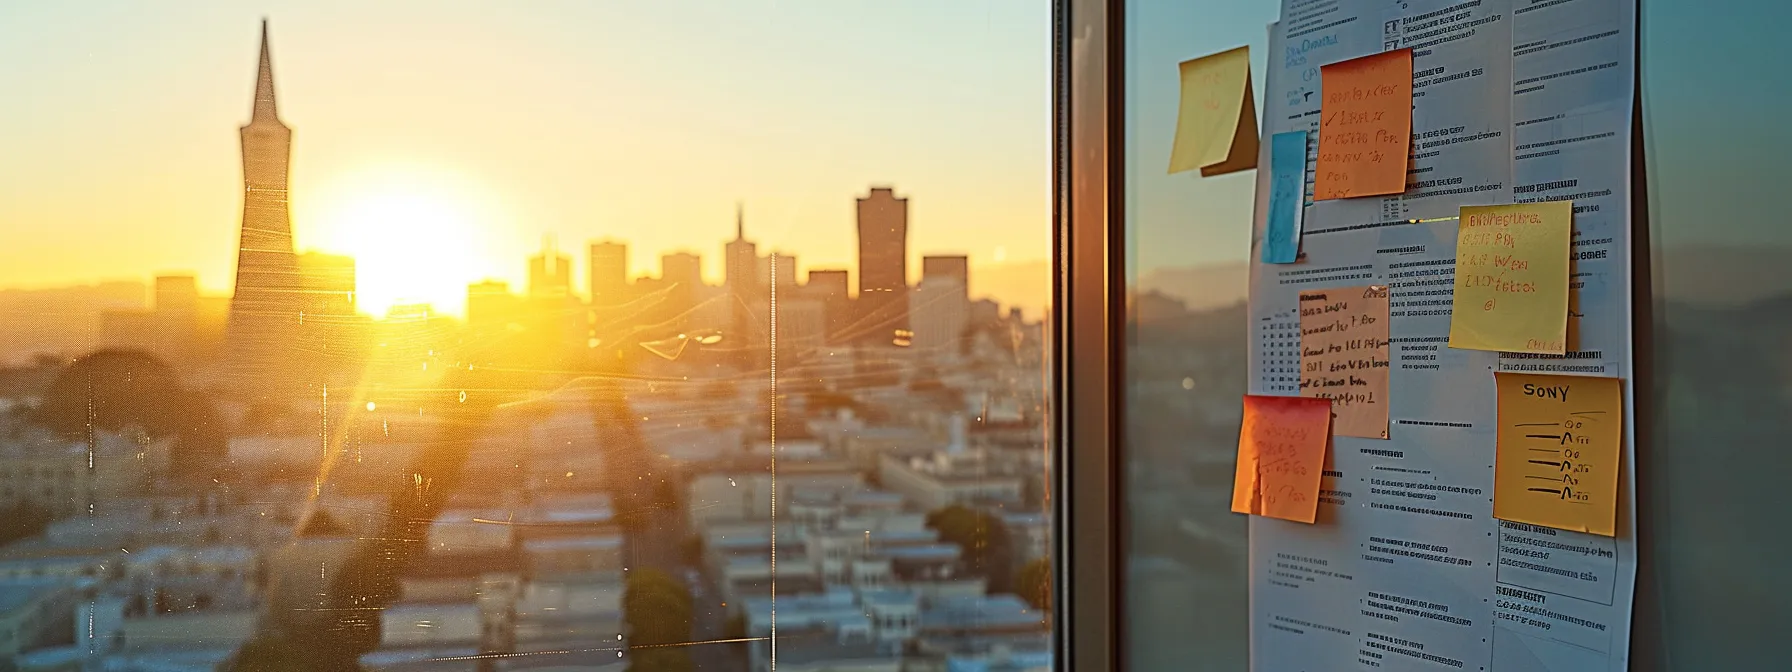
(1558, 451)
(1281, 452)
(1512, 278)
(1365, 126)
(1216, 122)
(1344, 356)
(1287, 191)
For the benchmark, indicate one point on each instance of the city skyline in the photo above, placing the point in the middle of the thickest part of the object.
(386, 207)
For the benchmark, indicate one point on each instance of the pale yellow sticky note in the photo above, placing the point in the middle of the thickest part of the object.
(1365, 126)
(1344, 356)
(1216, 123)
(1558, 451)
(1281, 452)
(1512, 278)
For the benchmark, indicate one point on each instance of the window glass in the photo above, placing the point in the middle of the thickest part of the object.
(1187, 246)
(622, 336)
(1715, 144)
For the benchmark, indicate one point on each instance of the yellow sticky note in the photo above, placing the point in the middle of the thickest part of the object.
(1216, 123)
(1281, 452)
(1344, 356)
(1512, 278)
(1558, 451)
(1365, 126)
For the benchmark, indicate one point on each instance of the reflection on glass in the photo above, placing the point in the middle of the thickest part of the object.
(403, 426)
(1716, 461)
(1188, 238)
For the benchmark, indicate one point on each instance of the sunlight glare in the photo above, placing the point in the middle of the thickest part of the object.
(415, 237)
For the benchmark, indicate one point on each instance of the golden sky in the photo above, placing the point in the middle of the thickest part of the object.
(440, 142)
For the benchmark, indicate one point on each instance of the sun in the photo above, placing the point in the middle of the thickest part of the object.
(416, 237)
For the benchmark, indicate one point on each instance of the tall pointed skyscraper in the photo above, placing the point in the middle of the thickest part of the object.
(266, 311)
(747, 300)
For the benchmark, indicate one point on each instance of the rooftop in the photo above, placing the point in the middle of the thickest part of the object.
(17, 593)
(590, 543)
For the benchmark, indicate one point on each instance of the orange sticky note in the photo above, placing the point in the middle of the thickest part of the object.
(1365, 126)
(1216, 120)
(1281, 452)
(1557, 456)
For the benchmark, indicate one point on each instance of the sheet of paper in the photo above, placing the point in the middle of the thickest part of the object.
(1559, 440)
(1512, 278)
(1287, 196)
(1513, 102)
(1344, 356)
(1365, 126)
(1281, 452)
(1216, 122)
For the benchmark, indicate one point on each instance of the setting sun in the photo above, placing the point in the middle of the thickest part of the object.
(415, 237)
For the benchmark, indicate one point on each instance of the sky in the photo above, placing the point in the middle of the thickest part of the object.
(441, 142)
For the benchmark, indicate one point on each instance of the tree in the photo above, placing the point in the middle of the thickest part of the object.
(1034, 583)
(656, 608)
(982, 538)
(23, 521)
(674, 659)
(115, 389)
(271, 653)
(691, 549)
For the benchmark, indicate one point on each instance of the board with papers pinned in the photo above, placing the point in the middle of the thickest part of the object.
(1445, 211)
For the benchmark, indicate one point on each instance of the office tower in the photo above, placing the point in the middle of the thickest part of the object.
(550, 274)
(830, 287)
(747, 291)
(953, 266)
(741, 265)
(490, 305)
(939, 310)
(681, 288)
(785, 270)
(827, 284)
(682, 268)
(941, 304)
(554, 317)
(265, 306)
(883, 265)
(609, 274)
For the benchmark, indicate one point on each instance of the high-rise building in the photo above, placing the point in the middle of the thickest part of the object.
(682, 268)
(550, 274)
(740, 271)
(939, 310)
(266, 303)
(941, 304)
(780, 268)
(609, 274)
(490, 305)
(747, 298)
(957, 267)
(681, 290)
(883, 264)
(831, 288)
(827, 284)
(554, 317)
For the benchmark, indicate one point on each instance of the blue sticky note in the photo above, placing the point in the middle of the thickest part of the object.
(1287, 192)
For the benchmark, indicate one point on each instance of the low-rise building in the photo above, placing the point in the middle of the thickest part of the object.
(35, 613)
(968, 478)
